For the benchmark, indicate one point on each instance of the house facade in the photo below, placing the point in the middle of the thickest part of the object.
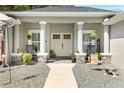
(64, 29)
(58, 28)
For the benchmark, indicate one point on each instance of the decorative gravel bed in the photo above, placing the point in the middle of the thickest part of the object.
(25, 76)
(93, 76)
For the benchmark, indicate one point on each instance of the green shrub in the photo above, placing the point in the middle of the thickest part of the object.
(18, 50)
(27, 58)
(52, 54)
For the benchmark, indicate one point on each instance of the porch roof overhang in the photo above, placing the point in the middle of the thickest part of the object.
(60, 14)
(9, 21)
(115, 19)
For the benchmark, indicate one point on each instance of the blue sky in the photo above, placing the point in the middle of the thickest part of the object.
(109, 7)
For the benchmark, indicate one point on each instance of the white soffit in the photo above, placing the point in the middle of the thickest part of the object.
(4, 19)
(115, 19)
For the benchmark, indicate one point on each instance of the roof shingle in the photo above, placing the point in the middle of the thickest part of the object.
(68, 9)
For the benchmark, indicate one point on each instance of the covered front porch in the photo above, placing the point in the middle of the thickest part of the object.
(62, 36)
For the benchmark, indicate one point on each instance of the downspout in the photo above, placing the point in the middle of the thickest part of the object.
(109, 36)
(13, 34)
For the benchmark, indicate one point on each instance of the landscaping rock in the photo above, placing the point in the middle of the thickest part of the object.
(24, 76)
(93, 76)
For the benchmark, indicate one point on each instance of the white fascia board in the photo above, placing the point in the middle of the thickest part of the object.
(62, 14)
(115, 19)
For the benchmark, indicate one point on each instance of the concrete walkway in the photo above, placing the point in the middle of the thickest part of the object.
(60, 76)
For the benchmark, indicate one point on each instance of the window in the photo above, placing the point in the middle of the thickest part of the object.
(86, 40)
(35, 40)
(67, 36)
(56, 36)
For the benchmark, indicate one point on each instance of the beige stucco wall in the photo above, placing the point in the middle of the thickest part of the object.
(60, 27)
(24, 27)
(90, 23)
(117, 44)
(98, 27)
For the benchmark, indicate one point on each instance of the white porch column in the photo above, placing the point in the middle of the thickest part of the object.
(42, 36)
(17, 40)
(80, 36)
(6, 48)
(106, 39)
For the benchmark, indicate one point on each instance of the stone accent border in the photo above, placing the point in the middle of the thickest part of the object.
(80, 57)
(42, 57)
(106, 57)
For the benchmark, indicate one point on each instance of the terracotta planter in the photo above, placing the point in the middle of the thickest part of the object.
(94, 59)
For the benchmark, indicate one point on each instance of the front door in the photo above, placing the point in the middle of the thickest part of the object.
(61, 43)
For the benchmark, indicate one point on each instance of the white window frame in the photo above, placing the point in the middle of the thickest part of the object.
(87, 31)
(86, 43)
(34, 31)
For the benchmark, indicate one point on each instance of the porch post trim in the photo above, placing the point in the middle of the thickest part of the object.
(17, 36)
(42, 36)
(80, 37)
(106, 38)
(6, 46)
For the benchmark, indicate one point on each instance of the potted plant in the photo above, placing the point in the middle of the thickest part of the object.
(27, 58)
(29, 36)
(93, 35)
(18, 50)
(52, 54)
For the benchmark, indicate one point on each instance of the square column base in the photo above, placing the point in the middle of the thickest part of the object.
(42, 57)
(106, 57)
(80, 57)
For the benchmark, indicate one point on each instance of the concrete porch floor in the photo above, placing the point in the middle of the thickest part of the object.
(60, 76)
